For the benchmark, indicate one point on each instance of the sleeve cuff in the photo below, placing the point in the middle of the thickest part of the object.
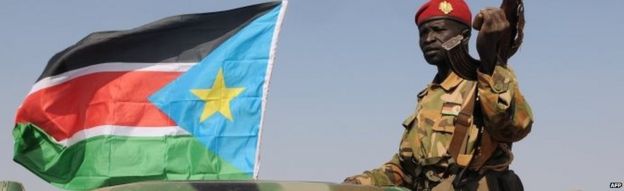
(499, 82)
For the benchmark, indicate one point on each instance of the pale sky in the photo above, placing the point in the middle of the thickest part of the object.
(347, 74)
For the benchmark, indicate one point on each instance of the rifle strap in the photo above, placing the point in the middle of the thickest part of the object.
(487, 145)
(462, 123)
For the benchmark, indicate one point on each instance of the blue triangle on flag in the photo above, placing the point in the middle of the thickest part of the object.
(244, 60)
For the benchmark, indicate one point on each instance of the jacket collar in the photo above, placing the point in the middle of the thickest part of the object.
(450, 82)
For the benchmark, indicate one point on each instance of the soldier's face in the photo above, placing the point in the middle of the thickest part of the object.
(433, 34)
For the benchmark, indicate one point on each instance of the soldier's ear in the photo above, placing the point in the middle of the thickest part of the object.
(466, 34)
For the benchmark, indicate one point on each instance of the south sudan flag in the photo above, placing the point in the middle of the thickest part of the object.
(181, 98)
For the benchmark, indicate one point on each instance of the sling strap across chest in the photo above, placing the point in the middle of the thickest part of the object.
(462, 123)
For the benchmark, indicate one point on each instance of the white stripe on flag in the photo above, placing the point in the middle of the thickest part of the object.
(129, 131)
(110, 67)
(267, 80)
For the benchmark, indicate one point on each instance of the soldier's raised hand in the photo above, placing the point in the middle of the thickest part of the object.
(492, 24)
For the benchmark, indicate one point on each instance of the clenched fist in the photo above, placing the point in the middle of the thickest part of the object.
(492, 24)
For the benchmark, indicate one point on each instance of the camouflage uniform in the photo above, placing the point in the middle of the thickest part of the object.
(423, 162)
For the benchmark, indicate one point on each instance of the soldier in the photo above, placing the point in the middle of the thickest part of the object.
(460, 136)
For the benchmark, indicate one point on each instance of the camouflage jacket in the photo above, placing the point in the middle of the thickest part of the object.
(503, 113)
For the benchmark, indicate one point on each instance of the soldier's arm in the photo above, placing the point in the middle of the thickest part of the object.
(389, 174)
(507, 116)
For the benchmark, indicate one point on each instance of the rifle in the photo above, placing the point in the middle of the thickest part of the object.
(507, 46)
(511, 40)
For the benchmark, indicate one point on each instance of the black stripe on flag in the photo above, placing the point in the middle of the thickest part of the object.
(182, 38)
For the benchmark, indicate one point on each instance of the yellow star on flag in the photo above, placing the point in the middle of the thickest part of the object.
(217, 98)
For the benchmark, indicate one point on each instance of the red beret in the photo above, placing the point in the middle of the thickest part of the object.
(452, 9)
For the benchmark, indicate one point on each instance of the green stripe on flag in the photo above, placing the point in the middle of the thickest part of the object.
(112, 160)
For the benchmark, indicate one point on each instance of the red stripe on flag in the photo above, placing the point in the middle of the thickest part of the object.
(106, 98)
